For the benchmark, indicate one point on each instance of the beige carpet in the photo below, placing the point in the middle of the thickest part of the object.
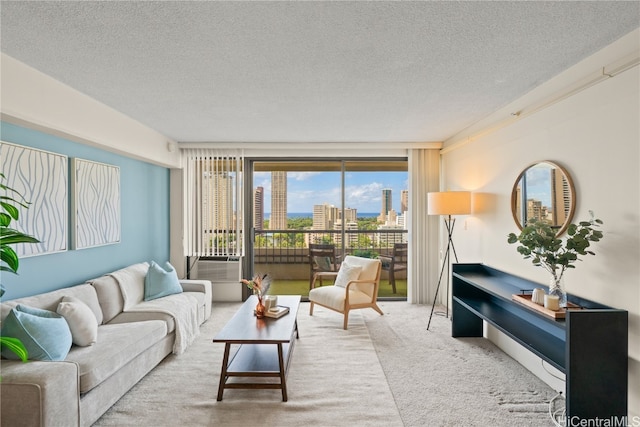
(437, 380)
(335, 378)
(384, 371)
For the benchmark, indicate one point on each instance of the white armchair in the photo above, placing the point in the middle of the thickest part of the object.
(356, 286)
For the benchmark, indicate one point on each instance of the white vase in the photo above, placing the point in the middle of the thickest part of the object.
(556, 287)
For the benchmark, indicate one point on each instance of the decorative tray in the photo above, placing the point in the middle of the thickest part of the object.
(525, 299)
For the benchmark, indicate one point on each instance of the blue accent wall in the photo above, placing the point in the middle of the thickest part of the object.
(144, 234)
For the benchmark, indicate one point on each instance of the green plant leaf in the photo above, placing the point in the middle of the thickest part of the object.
(10, 209)
(5, 219)
(16, 346)
(538, 242)
(9, 236)
(9, 257)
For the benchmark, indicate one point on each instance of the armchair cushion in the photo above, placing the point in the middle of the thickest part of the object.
(347, 273)
(334, 297)
(323, 263)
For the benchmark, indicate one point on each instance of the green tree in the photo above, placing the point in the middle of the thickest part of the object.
(299, 223)
(368, 223)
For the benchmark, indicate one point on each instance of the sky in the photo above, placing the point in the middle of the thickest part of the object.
(538, 184)
(363, 189)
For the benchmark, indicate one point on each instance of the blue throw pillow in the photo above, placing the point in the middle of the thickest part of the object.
(161, 282)
(45, 334)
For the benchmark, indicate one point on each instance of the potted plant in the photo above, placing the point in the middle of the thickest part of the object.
(539, 243)
(9, 260)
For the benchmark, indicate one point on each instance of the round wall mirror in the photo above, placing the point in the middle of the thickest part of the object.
(544, 191)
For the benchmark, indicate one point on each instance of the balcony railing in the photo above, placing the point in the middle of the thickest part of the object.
(292, 246)
(284, 254)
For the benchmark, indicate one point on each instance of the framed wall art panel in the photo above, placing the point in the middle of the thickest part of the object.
(95, 204)
(42, 178)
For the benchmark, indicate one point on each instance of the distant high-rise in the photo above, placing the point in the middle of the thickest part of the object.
(392, 217)
(535, 210)
(386, 204)
(278, 220)
(404, 201)
(350, 215)
(324, 216)
(560, 199)
(217, 197)
(258, 208)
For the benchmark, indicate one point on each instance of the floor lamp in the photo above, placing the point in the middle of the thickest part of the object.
(447, 203)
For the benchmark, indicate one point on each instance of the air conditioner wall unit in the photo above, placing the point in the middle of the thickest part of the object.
(224, 273)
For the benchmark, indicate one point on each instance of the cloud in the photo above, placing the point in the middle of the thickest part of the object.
(363, 195)
(302, 176)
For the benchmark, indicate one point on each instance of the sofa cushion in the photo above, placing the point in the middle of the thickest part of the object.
(50, 300)
(140, 313)
(116, 346)
(109, 297)
(82, 322)
(161, 282)
(131, 282)
(45, 334)
(142, 316)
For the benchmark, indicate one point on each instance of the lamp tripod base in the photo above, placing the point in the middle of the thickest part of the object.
(446, 262)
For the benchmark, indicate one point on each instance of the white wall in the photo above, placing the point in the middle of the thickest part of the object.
(32, 99)
(595, 134)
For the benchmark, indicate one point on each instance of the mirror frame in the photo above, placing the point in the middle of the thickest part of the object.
(572, 193)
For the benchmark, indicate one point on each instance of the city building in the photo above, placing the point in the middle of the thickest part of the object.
(258, 208)
(278, 218)
(404, 201)
(217, 202)
(387, 204)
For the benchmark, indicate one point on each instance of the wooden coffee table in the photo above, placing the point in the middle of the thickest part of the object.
(265, 350)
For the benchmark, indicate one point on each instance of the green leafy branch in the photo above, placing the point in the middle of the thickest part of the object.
(9, 200)
(8, 235)
(538, 242)
(16, 346)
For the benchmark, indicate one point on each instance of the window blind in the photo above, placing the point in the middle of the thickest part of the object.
(213, 202)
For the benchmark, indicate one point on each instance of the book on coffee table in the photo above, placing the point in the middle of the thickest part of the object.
(277, 311)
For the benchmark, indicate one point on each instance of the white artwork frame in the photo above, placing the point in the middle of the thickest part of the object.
(42, 178)
(95, 203)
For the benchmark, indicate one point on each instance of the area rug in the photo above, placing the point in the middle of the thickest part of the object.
(335, 379)
(437, 380)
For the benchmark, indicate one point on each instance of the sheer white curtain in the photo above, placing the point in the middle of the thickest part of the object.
(213, 202)
(423, 264)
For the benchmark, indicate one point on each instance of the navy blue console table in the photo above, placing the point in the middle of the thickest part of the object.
(590, 346)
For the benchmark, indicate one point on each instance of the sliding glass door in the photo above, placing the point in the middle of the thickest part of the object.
(340, 207)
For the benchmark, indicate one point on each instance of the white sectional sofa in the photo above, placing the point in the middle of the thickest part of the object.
(133, 336)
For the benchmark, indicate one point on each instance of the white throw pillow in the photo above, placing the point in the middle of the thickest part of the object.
(82, 322)
(346, 274)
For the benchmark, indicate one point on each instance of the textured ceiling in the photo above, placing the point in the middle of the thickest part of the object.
(308, 71)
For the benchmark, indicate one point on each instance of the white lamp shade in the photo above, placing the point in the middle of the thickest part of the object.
(449, 203)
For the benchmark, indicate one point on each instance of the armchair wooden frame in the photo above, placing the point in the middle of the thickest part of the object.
(352, 287)
(395, 263)
(322, 250)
